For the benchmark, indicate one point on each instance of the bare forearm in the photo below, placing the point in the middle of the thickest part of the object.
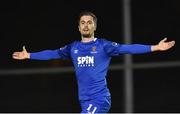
(28, 55)
(154, 48)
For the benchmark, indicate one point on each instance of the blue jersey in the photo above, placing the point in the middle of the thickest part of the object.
(91, 61)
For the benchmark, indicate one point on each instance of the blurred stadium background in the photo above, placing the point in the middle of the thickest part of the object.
(152, 84)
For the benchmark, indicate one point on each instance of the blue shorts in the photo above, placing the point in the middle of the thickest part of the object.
(96, 105)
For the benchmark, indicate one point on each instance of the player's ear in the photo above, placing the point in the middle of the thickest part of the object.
(95, 28)
(78, 27)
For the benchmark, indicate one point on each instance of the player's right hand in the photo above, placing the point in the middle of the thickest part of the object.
(21, 55)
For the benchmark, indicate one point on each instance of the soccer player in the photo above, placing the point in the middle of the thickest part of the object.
(91, 57)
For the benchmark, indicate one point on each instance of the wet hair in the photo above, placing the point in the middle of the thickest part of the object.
(88, 13)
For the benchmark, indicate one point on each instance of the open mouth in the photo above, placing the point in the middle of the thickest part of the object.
(85, 29)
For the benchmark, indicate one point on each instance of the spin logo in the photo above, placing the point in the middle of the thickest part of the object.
(86, 61)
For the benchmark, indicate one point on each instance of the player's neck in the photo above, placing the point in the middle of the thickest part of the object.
(89, 39)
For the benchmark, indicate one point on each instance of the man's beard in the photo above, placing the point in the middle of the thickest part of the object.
(86, 35)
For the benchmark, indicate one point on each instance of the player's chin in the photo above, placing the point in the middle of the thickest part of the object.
(86, 35)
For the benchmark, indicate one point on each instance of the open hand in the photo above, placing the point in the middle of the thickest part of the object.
(163, 46)
(21, 55)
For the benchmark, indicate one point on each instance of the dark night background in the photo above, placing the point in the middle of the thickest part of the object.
(51, 24)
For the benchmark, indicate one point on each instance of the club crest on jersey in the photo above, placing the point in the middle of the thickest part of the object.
(86, 61)
(94, 49)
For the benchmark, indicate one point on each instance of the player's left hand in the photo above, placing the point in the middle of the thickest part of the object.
(163, 45)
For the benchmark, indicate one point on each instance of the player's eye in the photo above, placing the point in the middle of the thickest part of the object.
(89, 22)
(82, 22)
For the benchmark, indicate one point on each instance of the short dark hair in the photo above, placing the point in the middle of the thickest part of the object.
(88, 13)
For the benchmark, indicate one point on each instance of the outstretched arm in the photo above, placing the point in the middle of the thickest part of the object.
(21, 55)
(62, 53)
(114, 49)
(162, 45)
